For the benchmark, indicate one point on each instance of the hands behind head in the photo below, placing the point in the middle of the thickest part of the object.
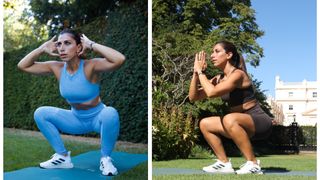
(49, 47)
(200, 63)
(86, 44)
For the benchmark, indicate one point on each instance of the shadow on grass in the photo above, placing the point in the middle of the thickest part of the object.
(275, 170)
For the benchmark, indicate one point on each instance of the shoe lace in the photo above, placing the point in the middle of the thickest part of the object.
(107, 163)
(53, 156)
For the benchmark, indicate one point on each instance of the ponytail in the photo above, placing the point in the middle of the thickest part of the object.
(242, 64)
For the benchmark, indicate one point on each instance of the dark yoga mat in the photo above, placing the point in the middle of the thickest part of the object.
(86, 166)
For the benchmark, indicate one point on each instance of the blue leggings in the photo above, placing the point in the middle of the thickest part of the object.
(101, 119)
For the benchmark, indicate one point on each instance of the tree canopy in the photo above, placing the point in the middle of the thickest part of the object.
(20, 28)
(59, 14)
(189, 25)
(183, 27)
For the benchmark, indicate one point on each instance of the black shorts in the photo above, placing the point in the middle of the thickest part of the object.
(262, 122)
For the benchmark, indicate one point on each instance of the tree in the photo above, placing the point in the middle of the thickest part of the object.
(59, 14)
(20, 28)
(182, 27)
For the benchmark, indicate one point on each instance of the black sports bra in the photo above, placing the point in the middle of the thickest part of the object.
(239, 96)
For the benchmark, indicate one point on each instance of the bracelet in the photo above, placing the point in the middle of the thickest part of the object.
(91, 45)
(199, 73)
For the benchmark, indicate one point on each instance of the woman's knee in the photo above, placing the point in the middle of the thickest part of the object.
(41, 112)
(203, 124)
(211, 124)
(229, 121)
(110, 115)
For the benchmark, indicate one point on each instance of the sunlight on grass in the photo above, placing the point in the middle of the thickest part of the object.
(231, 177)
(201, 157)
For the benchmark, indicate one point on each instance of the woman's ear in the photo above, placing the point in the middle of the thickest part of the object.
(229, 55)
(79, 47)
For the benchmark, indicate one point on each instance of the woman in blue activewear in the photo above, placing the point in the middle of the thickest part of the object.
(78, 84)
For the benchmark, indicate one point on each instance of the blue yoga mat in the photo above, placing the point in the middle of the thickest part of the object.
(86, 166)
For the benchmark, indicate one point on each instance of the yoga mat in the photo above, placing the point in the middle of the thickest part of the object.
(180, 171)
(86, 166)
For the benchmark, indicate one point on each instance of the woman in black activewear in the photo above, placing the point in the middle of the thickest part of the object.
(246, 119)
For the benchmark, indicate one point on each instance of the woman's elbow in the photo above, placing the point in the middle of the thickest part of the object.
(192, 98)
(122, 59)
(20, 67)
(212, 94)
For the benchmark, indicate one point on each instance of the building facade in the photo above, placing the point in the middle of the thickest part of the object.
(276, 110)
(298, 101)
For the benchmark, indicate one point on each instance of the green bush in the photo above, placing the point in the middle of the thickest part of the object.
(125, 29)
(173, 134)
(309, 135)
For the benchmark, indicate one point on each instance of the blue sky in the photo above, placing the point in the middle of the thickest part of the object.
(289, 42)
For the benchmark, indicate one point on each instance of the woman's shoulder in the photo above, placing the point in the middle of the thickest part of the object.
(244, 78)
(240, 73)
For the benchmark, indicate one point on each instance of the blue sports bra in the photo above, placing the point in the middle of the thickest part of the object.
(75, 88)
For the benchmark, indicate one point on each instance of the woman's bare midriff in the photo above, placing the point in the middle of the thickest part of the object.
(86, 105)
(243, 107)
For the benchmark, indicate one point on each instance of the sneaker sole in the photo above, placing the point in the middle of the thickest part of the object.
(259, 173)
(110, 174)
(68, 166)
(220, 172)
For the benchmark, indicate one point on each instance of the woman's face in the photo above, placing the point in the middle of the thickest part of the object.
(219, 56)
(67, 47)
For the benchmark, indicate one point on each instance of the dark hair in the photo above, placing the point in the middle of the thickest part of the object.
(75, 35)
(236, 59)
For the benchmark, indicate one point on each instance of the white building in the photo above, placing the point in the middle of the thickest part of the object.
(276, 110)
(297, 99)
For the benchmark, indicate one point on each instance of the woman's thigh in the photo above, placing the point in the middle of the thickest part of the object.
(213, 125)
(64, 120)
(241, 119)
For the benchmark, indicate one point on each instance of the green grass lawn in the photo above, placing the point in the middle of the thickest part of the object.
(302, 162)
(22, 151)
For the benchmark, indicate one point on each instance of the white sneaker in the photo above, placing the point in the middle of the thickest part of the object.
(250, 168)
(58, 161)
(219, 167)
(107, 167)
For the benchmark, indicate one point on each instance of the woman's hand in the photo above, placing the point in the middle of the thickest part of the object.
(86, 44)
(200, 63)
(49, 47)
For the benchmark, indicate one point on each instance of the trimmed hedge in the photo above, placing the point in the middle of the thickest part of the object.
(125, 30)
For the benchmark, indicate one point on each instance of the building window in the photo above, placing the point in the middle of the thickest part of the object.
(290, 94)
(290, 107)
(314, 94)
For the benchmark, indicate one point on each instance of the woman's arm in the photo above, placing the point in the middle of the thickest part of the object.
(28, 64)
(215, 89)
(111, 60)
(196, 93)
(221, 88)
